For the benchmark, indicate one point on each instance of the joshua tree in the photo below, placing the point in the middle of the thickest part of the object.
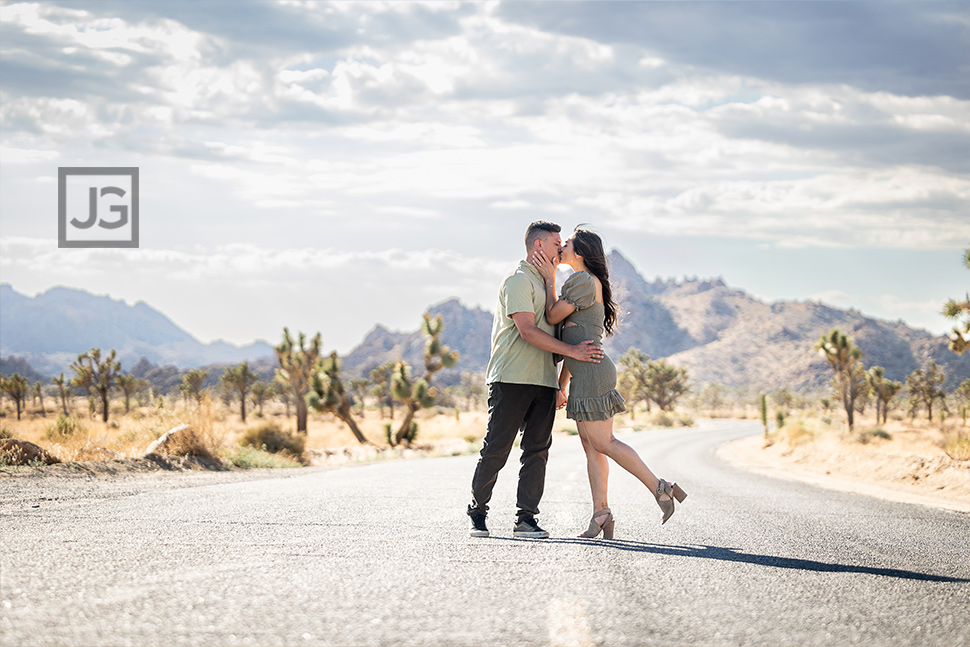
(960, 310)
(327, 393)
(130, 385)
(97, 375)
(358, 388)
(883, 389)
(61, 390)
(925, 388)
(380, 377)
(281, 389)
(38, 391)
(890, 389)
(262, 391)
(712, 396)
(633, 378)
(239, 380)
(192, 384)
(420, 394)
(299, 362)
(875, 378)
(860, 377)
(415, 395)
(844, 357)
(472, 388)
(962, 396)
(17, 387)
(665, 383)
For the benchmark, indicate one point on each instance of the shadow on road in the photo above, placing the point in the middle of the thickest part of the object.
(735, 555)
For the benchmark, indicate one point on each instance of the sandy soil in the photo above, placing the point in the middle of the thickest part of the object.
(911, 467)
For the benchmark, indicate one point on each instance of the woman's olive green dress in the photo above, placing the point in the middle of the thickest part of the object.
(592, 387)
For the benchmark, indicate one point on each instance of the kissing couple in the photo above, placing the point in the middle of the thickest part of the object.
(524, 389)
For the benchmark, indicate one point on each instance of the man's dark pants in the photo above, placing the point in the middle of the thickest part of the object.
(512, 407)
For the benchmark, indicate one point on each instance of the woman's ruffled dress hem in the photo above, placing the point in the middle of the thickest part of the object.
(602, 407)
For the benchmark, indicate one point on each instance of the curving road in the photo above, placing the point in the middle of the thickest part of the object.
(379, 555)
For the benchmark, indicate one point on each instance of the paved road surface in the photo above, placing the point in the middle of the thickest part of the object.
(379, 555)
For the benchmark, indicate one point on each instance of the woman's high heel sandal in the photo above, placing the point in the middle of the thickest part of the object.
(606, 526)
(671, 491)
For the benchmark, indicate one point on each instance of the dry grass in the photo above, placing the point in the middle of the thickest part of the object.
(217, 431)
(956, 444)
(898, 437)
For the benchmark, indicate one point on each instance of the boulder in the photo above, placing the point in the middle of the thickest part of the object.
(20, 452)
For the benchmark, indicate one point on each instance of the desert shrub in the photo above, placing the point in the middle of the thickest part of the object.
(191, 443)
(780, 418)
(879, 432)
(187, 440)
(662, 419)
(271, 438)
(956, 444)
(684, 420)
(64, 427)
(796, 433)
(5, 433)
(248, 457)
(866, 436)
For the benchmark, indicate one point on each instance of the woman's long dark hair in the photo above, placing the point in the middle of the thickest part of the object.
(589, 246)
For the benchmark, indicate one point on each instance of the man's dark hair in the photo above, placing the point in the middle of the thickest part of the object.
(540, 228)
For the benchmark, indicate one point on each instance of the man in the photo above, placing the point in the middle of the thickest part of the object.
(522, 384)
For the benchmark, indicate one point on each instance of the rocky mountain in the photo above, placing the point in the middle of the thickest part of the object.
(719, 333)
(724, 335)
(49, 331)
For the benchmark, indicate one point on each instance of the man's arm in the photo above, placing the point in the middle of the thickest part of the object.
(585, 351)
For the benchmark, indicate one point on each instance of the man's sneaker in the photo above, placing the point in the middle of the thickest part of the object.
(479, 529)
(527, 528)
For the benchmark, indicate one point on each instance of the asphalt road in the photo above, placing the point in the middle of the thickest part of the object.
(379, 554)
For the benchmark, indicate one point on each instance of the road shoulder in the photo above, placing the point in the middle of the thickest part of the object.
(824, 467)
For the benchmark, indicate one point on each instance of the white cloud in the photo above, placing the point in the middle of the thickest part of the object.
(420, 126)
(11, 155)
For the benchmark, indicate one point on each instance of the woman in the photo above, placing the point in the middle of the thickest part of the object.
(587, 311)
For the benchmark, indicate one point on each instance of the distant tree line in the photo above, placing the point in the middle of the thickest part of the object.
(303, 379)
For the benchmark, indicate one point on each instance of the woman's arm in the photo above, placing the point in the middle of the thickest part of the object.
(564, 376)
(556, 308)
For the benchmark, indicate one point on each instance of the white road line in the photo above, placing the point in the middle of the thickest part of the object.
(568, 625)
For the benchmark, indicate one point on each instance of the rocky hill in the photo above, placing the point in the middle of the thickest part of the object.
(724, 335)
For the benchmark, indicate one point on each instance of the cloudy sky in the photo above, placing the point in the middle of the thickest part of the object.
(329, 166)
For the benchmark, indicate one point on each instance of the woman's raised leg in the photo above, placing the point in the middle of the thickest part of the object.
(599, 433)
